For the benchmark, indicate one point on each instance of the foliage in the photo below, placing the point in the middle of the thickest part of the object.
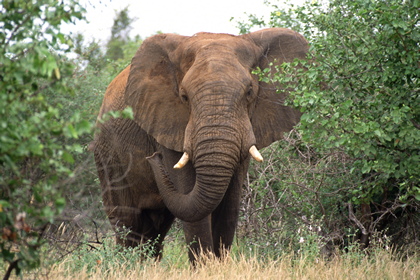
(34, 158)
(281, 16)
(118, 52)
(370, 104)
(92, 55)
(295, 191)
(93, 72)
(359, 94)
(83, 213)
(119, 34)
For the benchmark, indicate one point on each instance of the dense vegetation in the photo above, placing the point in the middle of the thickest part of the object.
(35, 155)
(48, 107)
(345, 180)
(351, 169)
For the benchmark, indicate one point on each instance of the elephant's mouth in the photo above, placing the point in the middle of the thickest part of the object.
(185, 157)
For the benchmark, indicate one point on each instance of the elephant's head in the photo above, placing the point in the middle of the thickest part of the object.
(198, 95)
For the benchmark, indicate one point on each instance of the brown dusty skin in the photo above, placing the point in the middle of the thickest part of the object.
(196, 96)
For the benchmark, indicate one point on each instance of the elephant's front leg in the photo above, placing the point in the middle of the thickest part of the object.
(198, 236)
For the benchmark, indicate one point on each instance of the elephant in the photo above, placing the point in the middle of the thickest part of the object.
(199, 114)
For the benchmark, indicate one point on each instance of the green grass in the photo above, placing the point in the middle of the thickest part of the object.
(108, 261)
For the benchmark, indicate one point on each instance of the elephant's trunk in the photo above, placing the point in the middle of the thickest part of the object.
(215, 159)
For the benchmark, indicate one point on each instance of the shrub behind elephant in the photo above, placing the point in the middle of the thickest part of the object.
(193, 98)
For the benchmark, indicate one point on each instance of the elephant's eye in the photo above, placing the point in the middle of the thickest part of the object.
(250, 92)
(184, 98)
(183, 95)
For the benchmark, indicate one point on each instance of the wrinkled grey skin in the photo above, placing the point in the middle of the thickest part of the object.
(195, 95)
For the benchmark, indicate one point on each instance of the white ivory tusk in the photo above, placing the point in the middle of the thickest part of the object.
(255, 153)
(182, 162)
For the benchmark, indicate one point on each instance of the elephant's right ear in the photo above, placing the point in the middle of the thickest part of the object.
(152, 91)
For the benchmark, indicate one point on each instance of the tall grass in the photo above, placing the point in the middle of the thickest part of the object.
(382, 266)
(110, 262)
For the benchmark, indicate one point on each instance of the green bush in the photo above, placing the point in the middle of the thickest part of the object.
(35, 159)
(359, 95)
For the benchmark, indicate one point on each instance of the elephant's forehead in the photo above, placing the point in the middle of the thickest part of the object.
(210, 46)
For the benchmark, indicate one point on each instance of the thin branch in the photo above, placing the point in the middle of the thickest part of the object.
(12, 266)
(355, 220)
(15, 30)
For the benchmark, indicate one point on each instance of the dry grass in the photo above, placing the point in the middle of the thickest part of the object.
(383, 266)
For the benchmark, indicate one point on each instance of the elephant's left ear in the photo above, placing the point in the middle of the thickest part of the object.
(152, 91)
(271, 118)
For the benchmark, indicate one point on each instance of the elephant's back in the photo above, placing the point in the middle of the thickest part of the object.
(114, 95)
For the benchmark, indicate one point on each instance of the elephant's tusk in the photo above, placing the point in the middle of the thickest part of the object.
(255, 153)
(182, 162)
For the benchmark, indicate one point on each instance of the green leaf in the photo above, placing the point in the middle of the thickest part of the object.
(71, 131)
(67, 157)
(83, 127)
